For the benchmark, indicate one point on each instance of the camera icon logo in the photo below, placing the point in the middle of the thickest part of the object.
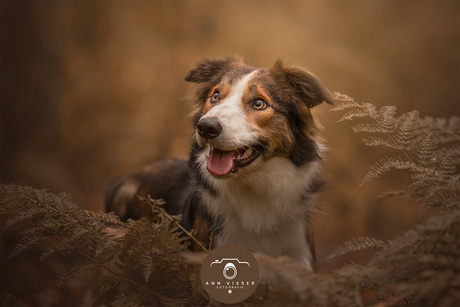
(230, 271)
(229, 274)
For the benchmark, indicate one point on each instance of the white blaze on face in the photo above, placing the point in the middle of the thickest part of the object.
(237, 130)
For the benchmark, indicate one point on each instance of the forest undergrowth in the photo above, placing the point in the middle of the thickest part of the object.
(146, 262)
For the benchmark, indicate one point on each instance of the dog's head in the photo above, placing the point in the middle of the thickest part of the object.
(247, 114)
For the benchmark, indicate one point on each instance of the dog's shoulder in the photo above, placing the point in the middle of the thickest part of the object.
(169, 180)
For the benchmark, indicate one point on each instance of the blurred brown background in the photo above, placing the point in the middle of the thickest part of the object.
(92, 90)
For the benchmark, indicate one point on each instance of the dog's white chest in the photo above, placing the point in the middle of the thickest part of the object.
(288, 239)
(264, 211)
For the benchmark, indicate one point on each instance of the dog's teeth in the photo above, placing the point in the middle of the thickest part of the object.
(247, 153)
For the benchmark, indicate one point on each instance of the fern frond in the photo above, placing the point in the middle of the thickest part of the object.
(447, 127)
(11, 192)
(452, 151)
(109, 219)
(445, 138)
(353, 113)
(368, 128)
(356, 244)
(354, 108)
(429, 148)
(33, 203)
(24, 244)
(134, 298)
(425, 149)
(349, 268)
(75, 237)
(386, 118)
(26, 213)
(346, 102)
(424, 261)
(173, 302)
(445, 167)
(150, 247)
(404, 130)
(104, 284)
(384, 165)
(74, 269)
(147, 245)
(378, 141)
(159, 214)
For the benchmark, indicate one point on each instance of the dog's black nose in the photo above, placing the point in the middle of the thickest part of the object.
(209, 128)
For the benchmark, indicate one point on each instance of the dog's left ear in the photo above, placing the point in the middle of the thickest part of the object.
(209, 69)
(306, 84)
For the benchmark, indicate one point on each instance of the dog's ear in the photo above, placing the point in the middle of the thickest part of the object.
(209, 69)
(306, 85)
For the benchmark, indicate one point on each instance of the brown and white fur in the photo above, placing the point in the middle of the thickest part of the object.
(254, 162)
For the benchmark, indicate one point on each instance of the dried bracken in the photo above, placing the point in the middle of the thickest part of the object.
(428, 148)
(146, 262)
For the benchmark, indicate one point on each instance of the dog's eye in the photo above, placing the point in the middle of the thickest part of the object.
(259, 104)
(215, 97)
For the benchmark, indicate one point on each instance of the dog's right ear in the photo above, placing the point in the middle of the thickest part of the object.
(209, 69)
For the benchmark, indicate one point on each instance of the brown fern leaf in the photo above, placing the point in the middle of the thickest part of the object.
(356, 244)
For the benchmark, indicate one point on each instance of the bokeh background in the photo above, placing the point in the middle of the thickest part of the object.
(92, 90)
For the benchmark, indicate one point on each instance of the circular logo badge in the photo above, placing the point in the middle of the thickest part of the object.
(229, 274)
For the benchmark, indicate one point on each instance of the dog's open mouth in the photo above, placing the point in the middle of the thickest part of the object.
(224, 162)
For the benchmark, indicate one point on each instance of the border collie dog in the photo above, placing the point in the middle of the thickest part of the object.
(253, 169)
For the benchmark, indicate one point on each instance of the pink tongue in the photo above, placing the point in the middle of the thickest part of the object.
(220, 162)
